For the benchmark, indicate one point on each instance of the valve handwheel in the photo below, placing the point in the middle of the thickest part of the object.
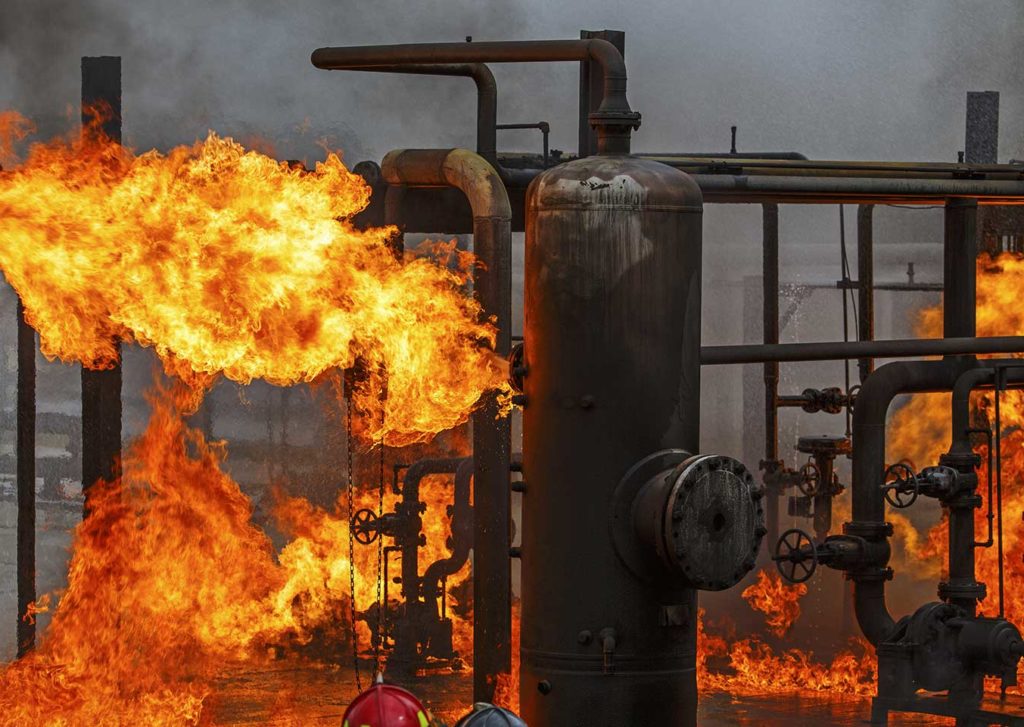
(809, 479)
(901, 486)
(365, 526)
(795, 556)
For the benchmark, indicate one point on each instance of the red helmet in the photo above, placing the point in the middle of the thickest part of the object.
(385, 705)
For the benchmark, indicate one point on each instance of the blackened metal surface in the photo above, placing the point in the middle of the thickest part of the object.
(101, 390)
(612, 330)
(981, 142)
(26, 464)
(865, 283)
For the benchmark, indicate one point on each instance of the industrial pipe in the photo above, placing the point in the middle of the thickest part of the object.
(409, 541)
(869, 416)
(492, 243)
(614, 119)
(750, 189)
(462, 534)
(770, 335)
(486, 95)
(838, 350)
(26, 476)
(788, 164)
(865, 283)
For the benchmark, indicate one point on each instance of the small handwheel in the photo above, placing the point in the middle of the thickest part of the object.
(795, 556)
(901, 486)
(809, 480)
(365, 526)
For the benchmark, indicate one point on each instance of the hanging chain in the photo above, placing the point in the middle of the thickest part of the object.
(380, 554)
(349, 445)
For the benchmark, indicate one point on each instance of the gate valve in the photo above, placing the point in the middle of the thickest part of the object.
(810, 479)
(365, 526)
(901, 486)
(940, 482)
(796, 556)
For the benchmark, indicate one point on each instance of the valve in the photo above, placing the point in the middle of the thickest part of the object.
(517, 368)
(365, 526)
(793, 552)
(901, 486)
(810, 479)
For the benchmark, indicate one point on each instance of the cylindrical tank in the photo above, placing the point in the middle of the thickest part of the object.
(612, 342)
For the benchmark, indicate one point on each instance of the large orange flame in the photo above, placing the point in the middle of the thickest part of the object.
(778, 601)
(226, 261)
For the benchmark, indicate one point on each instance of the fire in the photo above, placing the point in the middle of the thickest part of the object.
(778, 601)
(227, 262)
(750, 666)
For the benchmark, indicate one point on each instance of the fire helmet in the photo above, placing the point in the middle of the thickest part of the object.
(487, 715)
(386, 705)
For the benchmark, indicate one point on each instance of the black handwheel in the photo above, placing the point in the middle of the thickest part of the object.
(364, 526)
(810, 477)
(795, 556)
(901, 487)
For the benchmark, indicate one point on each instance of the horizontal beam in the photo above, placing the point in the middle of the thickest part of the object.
(841, 350)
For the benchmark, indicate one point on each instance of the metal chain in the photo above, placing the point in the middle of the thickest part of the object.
(380, 551)
(349, 445)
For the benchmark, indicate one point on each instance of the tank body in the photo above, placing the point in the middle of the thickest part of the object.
(612, 348)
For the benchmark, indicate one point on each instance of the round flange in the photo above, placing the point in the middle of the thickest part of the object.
(632, 551)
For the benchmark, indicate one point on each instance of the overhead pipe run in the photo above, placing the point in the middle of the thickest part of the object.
(839, 350)
(477, 179)
(614, 119)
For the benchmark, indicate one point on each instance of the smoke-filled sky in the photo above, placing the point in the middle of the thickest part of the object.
(871, 79)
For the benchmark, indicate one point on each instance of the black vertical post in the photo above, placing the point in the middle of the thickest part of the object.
(770, 278)
(591, 87)
(959, 259)
(26, 464)
(866, 283)
(492, 467)
(101, 390)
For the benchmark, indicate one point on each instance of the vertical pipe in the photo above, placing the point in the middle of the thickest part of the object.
(958, 262)
(592, 87)
(959, 319)
(770, 278)
(26, 463)
(492, 574)
(866, 283)
(101, 390)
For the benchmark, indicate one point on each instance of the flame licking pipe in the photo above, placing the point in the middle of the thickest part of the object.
(492, 243)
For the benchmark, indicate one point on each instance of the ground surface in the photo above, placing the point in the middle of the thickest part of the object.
(317, 696)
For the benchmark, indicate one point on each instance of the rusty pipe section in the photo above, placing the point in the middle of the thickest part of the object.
(614, 119)
(470, 173)
(492, 243)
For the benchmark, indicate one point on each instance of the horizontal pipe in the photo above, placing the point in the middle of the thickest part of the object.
(749, 189)
(782, 166)
(705, 157)
(614, 118)
(840, 350)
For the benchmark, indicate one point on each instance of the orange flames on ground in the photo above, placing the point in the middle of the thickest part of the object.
(225, 261)
(778, 601)
(169, 582)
